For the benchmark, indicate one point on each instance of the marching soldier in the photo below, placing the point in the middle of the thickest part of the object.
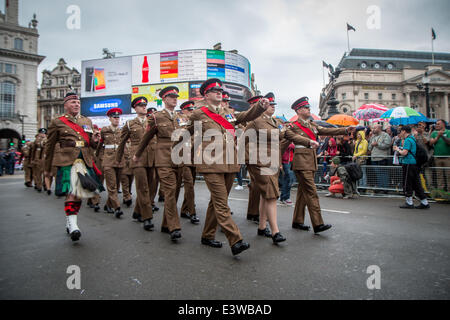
(134, 130)
(37, 158)
(109, 142)
(94, 202)
(189, 173)
(253, 193)
(219, 169)
(162, 124)
(27, 165)
(151, 162)
(71, 146)
(126, 176)
(265, 174)
(303, 134)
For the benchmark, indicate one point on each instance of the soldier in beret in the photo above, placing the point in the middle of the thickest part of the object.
(27, 165)
(134, 130)
(219, 175)
(37, 158)
(71, 145)
(188, 207)
(108, 145)
(265, 175)
(162, 124)
(303, 133)
(253, 193)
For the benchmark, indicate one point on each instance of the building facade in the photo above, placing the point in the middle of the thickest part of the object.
(55, 84)
(19, 61)
(391, 78)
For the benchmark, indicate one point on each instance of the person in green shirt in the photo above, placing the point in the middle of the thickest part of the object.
(440, 140)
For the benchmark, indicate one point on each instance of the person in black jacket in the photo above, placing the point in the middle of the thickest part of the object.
(344, 150)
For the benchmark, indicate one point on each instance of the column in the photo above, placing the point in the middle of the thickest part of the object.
(446, 117)
(408, 100)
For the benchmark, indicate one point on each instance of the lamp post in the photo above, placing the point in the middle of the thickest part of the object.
(426, 86)
(333, 102)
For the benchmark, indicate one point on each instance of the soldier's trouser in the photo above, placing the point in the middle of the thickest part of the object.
(253, 197)
(307, 196)
(153, 185)
(170, 182)
(143, 206)
(219, 213)
(94, 200)
(111, 175)
(28, 174)
(127, 181)
(38, 176)
(189, 192)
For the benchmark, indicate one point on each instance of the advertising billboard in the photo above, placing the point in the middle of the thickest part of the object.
(106, 77)
(108, 83)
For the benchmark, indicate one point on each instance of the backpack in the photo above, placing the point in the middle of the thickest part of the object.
(354, 171)
(421, 154)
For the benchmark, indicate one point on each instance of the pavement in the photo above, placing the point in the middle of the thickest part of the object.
(117, 259)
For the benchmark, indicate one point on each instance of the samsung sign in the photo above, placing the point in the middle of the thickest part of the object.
(98, 106)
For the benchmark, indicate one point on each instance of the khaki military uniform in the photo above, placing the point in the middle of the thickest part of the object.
(264, 172)
(126, 174)
(109, 143)
(134, 130)
(189, 174)
(27, 163)
(304, 166)
(219, 177)
(162, 124)
(37, 160)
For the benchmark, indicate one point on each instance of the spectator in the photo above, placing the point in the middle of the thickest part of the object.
(341, 181)
(344, 149)
(440, 140)
(411, 179)
(379, 147)
(11, 161)
(2, 162)
(287, 175)
(360, 154)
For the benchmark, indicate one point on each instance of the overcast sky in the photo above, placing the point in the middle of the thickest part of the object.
(284, 40)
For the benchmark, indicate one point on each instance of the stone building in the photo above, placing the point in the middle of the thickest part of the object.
(19, 61)
(391, 78)
(55, 84)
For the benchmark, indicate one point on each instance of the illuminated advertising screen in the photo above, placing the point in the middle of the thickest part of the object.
(106, 77)
(105, 82)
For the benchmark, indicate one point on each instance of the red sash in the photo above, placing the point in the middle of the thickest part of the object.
(75, 127)
(220, 120)
(306, 130)
(83, 134)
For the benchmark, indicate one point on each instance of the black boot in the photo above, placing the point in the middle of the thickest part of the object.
(195, 219)
(96, 208)
(321, 228)
(108, 209)
(155, 208)
(118, 213)
(212, 243)
(128, 203)
(175, 235)
(300, 226)
(148, 225)
(239, 246)
(264, 232)
(277, 237)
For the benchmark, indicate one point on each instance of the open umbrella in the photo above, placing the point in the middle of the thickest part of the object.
(343, 120)
(312, 117)
(368, 112)
(324, 124)
(403, 116)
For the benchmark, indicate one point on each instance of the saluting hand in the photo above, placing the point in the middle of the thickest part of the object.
(265, 103)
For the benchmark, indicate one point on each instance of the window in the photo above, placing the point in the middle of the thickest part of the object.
(61, 93)
(363, 65)
(10, 68)
(344, 96)
(61, 81)
(390, 66)
(380, 96)
(394, 96)
(49, 94)
(366, 96)
(1, 66)
(18, 44)
(7, 99)
(432, 113)
(376, 65)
